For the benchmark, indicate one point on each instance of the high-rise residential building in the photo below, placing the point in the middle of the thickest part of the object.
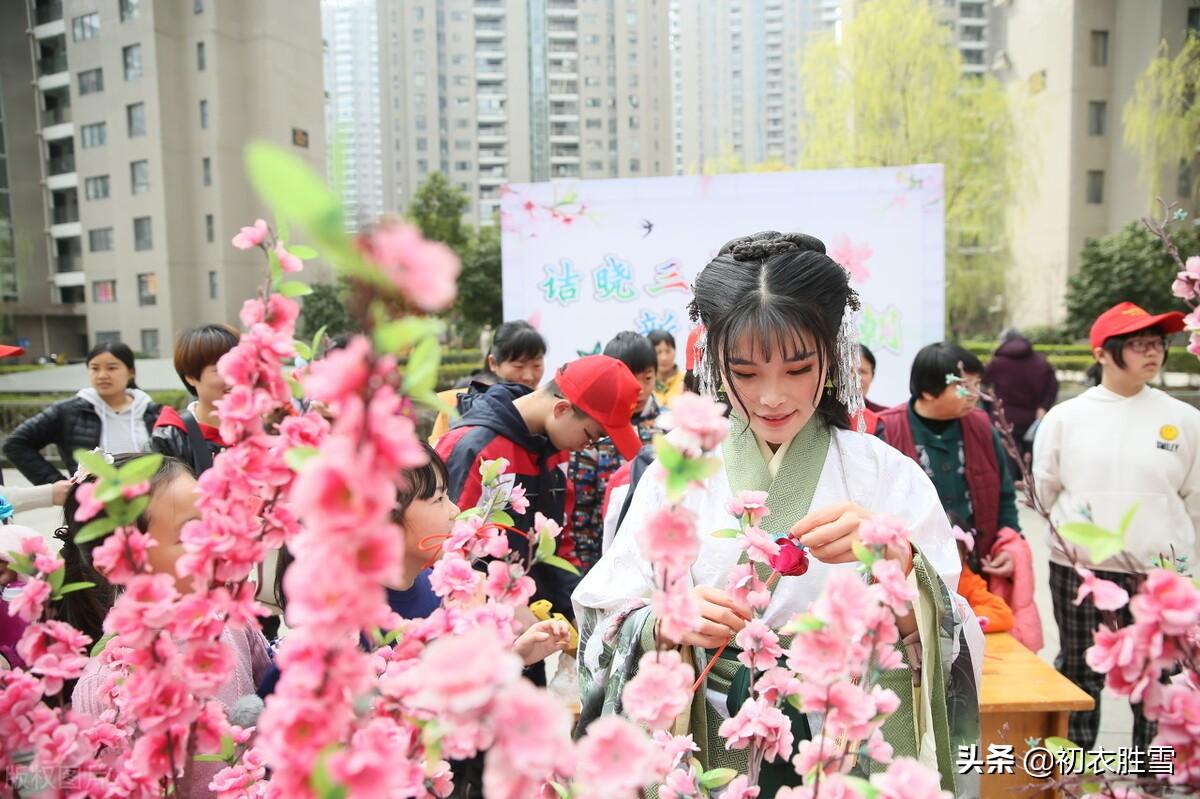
(131, 127)
(353, 110)
(490, 92)
(1073, 68)
(737, 92)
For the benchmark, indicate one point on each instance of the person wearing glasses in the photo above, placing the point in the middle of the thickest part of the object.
(1118, 446)
(943, 430)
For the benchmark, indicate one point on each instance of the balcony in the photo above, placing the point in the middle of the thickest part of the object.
(66, 279)
(61, 165)
(68, 263)
(52, 65)
(62, 214)
(45, 11)
(56, 115)
(66, 230)
(58, 132)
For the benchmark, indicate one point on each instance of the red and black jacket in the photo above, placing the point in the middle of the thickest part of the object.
(492, 428)
(170, 437)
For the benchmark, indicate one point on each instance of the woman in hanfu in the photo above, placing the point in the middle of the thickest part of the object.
(781, 348)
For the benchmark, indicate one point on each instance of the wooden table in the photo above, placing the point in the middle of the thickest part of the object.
(1025, 693)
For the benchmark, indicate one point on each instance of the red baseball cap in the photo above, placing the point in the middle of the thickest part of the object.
(604, 389)
(9, 351)
(1125, 317)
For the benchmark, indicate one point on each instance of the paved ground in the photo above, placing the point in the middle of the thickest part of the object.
(1116, 724)
(153, 374)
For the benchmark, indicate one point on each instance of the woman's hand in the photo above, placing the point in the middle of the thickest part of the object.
(542, 640)
(722, 618)
(830, 533)
(58, 493)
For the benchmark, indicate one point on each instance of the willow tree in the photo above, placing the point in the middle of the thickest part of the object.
(1162, 118)
(892, 92)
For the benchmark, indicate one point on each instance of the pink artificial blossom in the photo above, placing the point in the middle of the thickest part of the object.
(533, 730)
(87, 506)
(660, 691)
(507, 583)
(891, 584)
(47, 564)
(882, 531)
(677, 613)
(753, 503)
(614, 759)
(699, 422)
(759, 545)
(424, 271)
(668, 539)
(287, 262)
(759, 645)
(517, 500)
(136, 490)
(453, 579)
(906, 778)
(745, 587)
(250, 237)
(1168, 599)
(54, 651)
(28, 605)
(764, 725)
(1105, 595)
(740, 788)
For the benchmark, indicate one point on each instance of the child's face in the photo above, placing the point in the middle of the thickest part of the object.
(570, 430)
(171, 507)
(645, 380)
(210, 387)
(424, 521)
(777, 392)
(666, 356)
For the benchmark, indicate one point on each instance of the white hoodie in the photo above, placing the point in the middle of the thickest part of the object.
(125, 431)
(1101, 454)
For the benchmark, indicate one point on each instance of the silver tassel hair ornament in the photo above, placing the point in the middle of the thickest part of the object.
(849, 386)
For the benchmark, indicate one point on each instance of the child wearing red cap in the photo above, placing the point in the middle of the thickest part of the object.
(536, 430)
(1117, 445)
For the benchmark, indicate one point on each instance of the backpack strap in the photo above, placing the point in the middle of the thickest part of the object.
(202, 459)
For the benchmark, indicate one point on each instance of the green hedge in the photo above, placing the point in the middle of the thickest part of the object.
(1078, 357)
(12, 368)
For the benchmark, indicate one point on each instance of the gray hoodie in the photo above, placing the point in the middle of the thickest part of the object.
(124, 431)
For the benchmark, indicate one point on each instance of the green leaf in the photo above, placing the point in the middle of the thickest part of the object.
(294, 288)
(208, 759)
(296, 457)
(318, 337)
(71, 588)
(302, 251)
(545, 547)
(489, 471)
(555, 560)
(1100, 543)
(803, 623)
(302, 349)
(97, 528)
(95, 463)
(320, 779)
(715, 778)
(431, 400)
(128, 512)
(667, 453)
(141, 469)
(500, 517)
(420, 374)
(107, 491)
(56, 578)
(275, 268)
(21, 563)
(728, 532)
(1125, 521)
(863, 788)
(296, 387)
(291, 187)
(98, 647)
(397, 336)
(863, 553)
(562, 791)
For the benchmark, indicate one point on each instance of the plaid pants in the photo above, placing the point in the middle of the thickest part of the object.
(1076, 625)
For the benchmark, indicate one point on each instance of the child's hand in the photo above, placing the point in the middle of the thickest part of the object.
(542, 640)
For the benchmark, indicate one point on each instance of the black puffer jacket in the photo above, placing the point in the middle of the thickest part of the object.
(69, 425)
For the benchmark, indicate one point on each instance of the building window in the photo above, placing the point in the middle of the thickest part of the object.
(973, 57)
(130, 9)
(108, 337)
(131, 57)
(147, 288)
(104, 291)
(1193, 19)
(201, 61)
(91, 80)
(209, 228)
(150, 342)
(1095, 186)
(1097, 116)
(1099, 48)
(462, 166)
(93, 135)
(96, 188)
(197, 6)
(139, 177)
(635, 165)
(135, 116)
(204, 114)
(212, 284)
(85, 27)
(206, 170)
(594, 123)
(100, 240)
(143, 238)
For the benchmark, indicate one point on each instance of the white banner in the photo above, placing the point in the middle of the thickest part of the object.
(584, 260)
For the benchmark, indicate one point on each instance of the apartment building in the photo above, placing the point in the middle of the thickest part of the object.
(140, 113)
(1073, 68)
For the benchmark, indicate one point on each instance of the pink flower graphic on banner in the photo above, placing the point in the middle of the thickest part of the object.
(853, 257)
